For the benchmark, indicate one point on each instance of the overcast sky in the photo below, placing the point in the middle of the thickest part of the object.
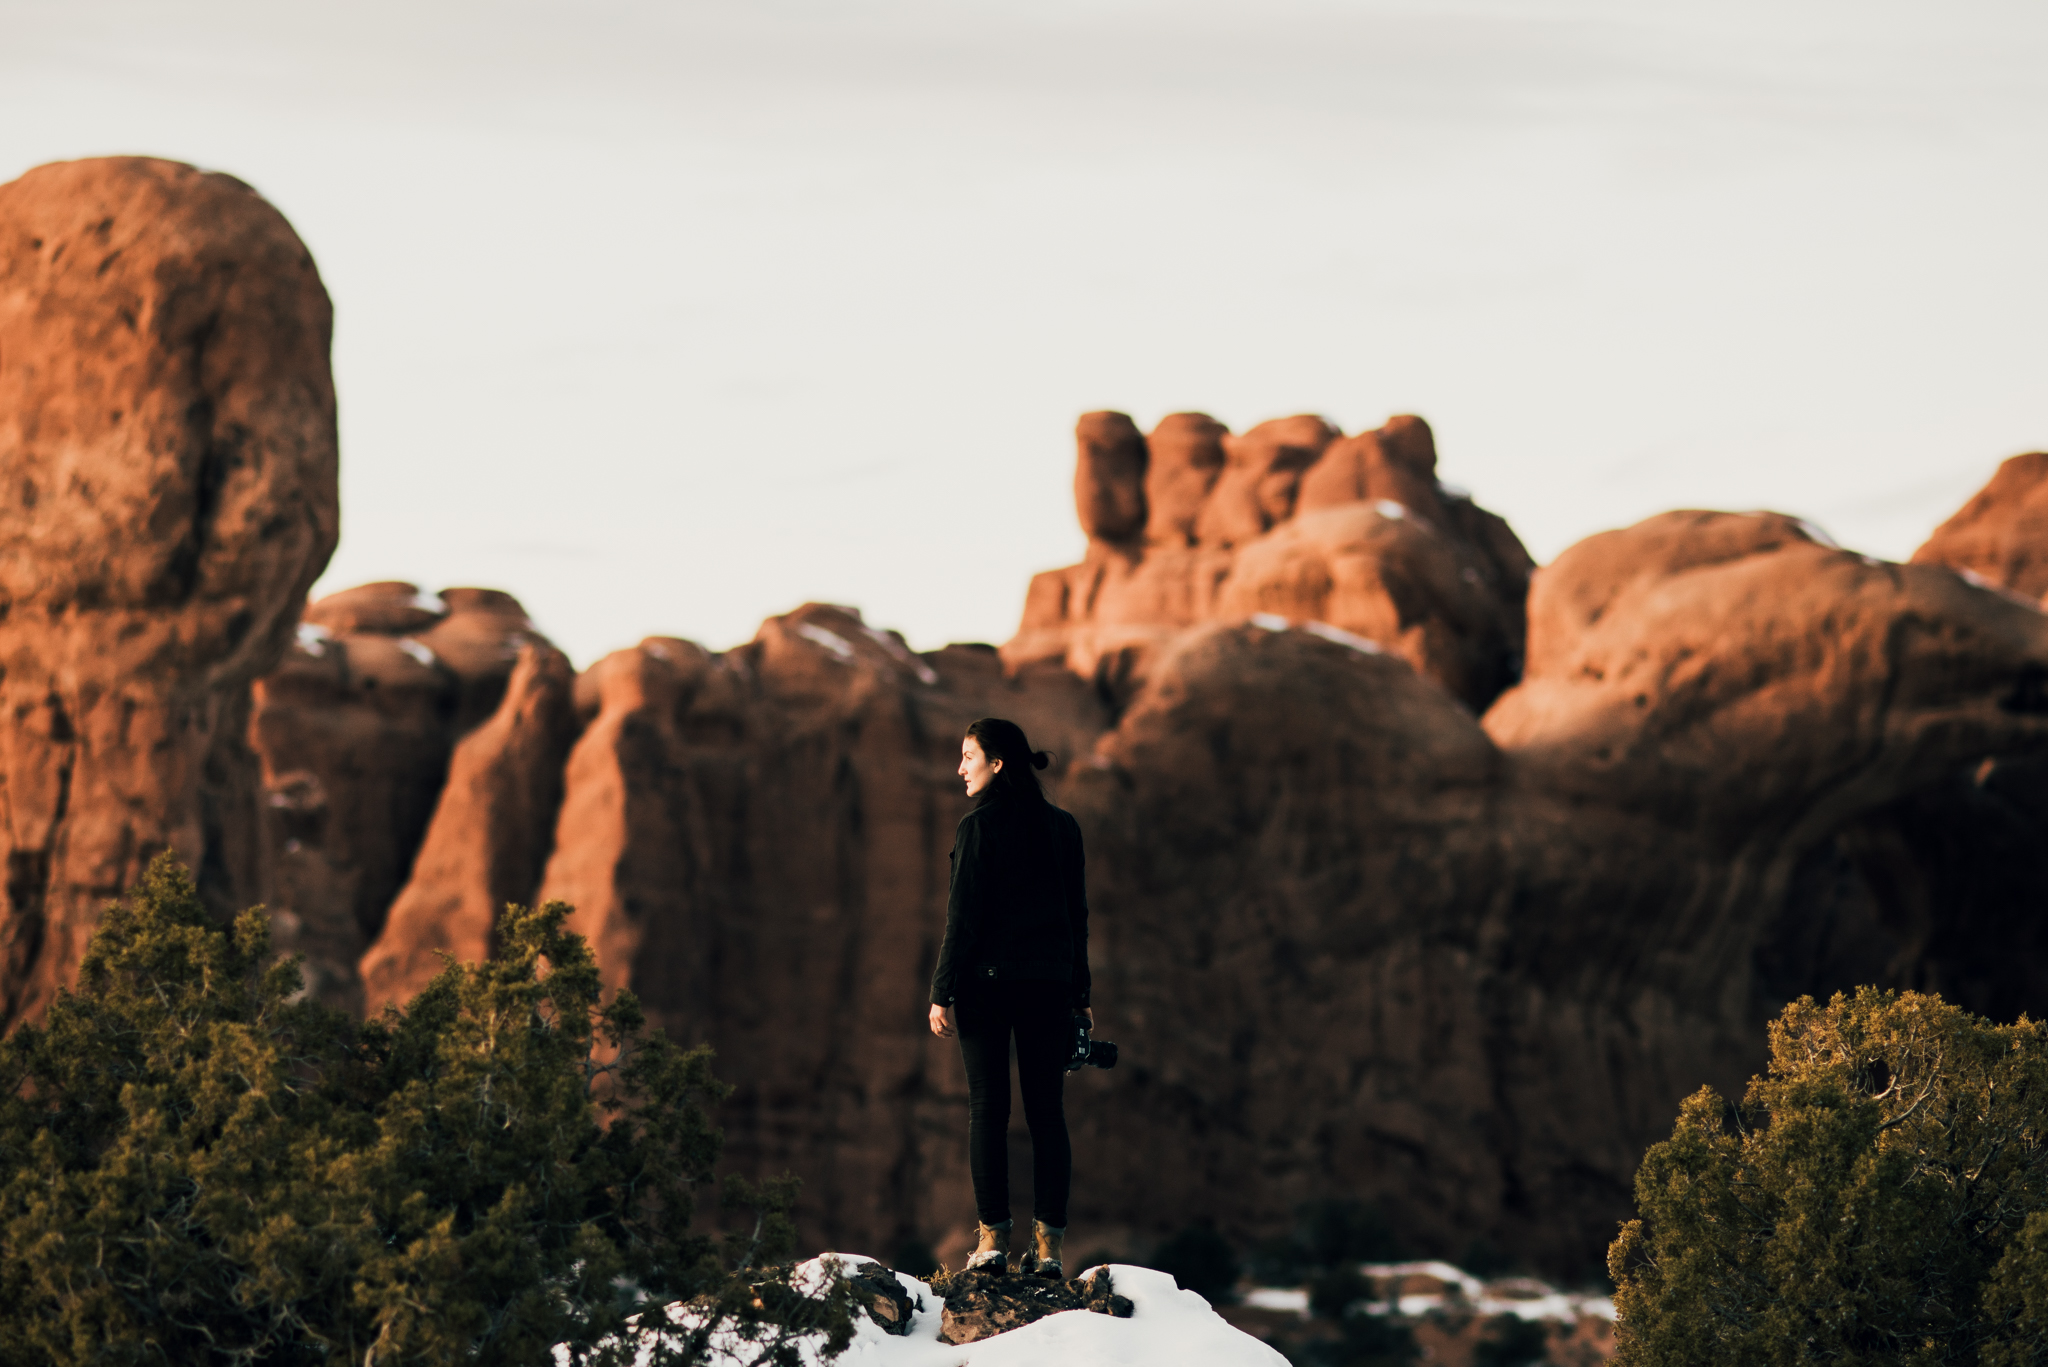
(669, 316)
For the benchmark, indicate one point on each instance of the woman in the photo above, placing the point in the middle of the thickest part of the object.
(1014, 962)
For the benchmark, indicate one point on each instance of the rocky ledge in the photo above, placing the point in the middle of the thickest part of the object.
(980, 1304)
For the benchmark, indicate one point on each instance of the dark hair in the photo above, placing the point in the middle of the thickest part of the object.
(1004, 740)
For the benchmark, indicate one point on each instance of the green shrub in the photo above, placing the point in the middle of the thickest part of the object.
(1881, 1196)
(198, 1168)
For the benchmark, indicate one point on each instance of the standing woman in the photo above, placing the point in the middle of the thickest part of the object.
(1014, 962)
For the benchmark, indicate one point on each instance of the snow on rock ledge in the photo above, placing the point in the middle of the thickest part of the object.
(1168, 1327)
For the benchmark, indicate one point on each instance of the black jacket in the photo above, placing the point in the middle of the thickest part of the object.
(1017, 904)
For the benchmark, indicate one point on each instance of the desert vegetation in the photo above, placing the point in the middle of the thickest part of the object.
(198, 1164)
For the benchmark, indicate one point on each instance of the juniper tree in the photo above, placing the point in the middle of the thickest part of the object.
(197, 1166)
(1880, 1196)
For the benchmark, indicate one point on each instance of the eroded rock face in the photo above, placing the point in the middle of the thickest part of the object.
(167, 432)
(355, 728)
(2002, 532)
(1289, 519)
(490, 835)
(1359, 943)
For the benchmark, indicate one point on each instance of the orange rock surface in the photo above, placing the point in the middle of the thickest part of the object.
(167, 433)
(1416, 878)
(1290, 520)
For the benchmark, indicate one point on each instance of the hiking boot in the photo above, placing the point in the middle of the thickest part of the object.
(1045, 1252)
(992, 1254)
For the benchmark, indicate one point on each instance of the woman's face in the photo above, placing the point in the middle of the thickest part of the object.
(975, 766)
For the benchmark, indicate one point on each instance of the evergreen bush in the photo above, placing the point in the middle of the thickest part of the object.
(199, 1167)
(1880, 1196)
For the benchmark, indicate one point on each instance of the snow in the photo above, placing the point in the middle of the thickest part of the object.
(1523, 1297)
(889, 641)
(1363, 645)
(1278, 1298)
(1272, 621)
(313, 639)
(430, 602)
(1817, 534)
(831, 640)
(1168, 1327)
(417, 651)
(1976, 580)
(1387, 508)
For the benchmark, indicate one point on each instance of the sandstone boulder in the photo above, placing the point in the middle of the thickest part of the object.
(167, 432)
(1109, 476)
(490, 835)
(1292, 520)
(1358, 943)
(355, 729)
(2001, 534)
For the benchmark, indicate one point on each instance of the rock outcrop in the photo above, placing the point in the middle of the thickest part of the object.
(1291, 520)
(2001, 534)
(355, 729)
(1359, 943)
(1415, 880)
(167, 433)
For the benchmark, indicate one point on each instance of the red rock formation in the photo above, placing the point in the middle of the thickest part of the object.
(1353, 940)
(355, 729)
(2002, 533)
(1287, 520)
(490, 835)
(167, 432)
(1358, 944)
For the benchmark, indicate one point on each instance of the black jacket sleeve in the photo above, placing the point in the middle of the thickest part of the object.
(1077, 909)
(961, 898)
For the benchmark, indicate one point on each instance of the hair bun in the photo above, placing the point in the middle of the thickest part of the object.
(1039, 759)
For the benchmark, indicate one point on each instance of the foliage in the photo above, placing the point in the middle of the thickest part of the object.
(197, 1167)
(1880, 1197)
(1201, 1260)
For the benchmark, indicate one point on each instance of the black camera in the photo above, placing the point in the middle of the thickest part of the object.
(1088, 1052)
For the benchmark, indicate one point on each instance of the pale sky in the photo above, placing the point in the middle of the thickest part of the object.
(670, 316)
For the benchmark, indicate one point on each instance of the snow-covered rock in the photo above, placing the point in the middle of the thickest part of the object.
(1168, 1327)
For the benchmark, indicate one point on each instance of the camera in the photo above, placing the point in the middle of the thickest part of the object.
(1089, 1052)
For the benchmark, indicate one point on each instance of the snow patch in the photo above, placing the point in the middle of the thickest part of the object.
(1522, 1297)
(1817, 534)
(1450, 490)
(431, 602)
(417, 651)
(1978, 581)
(313, 639)
(1362, 644)
(831, 640)
(1389, 509)
(1269, 621)
(1168, 1327)
(887, 640)
(1278, 1298)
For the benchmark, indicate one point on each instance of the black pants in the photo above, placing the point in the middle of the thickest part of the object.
(1039, 1014)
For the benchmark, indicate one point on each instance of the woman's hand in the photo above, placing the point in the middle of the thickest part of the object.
(1089, 1012)
(943, 1023)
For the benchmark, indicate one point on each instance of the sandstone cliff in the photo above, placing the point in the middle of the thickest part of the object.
(1291, 519)
(1416, 878)
(167, 429)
